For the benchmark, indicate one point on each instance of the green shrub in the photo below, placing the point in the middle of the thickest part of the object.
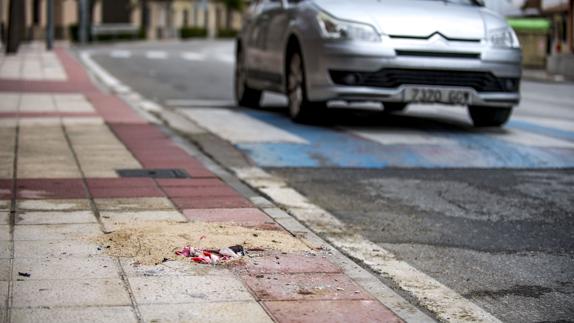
(73, 29)
(227, 33)
(192, 32)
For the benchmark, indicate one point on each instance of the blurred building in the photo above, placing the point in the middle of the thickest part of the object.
(504, 7)
(155, 19)
(560, 36)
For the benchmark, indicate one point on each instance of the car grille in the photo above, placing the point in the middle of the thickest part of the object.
(393, 78)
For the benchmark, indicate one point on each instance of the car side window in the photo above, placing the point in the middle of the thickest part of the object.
(270, 4)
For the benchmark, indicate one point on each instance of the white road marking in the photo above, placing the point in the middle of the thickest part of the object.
(533, 98)
(156, 55)
(199, 103)
(400, 137)
(533, 140)
(102, 74)
(238, 127)
(565, 125)
(120, 53)
(446, 304)
(191, 56)
(226, 58)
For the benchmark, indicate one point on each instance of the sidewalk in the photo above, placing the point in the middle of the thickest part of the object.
(541, 75)
(81, 243)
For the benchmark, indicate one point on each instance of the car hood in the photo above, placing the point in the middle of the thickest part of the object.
(416, 18)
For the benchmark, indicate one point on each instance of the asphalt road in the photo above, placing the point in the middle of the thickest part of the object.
(489, 213)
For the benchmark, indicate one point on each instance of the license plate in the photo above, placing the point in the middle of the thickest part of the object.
(437, 95)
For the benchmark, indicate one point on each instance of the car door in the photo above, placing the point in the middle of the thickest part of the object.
(275, 26)
(275, 39)
(259, 59)
(253, 39)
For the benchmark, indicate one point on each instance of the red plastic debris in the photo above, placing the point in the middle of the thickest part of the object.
(211, 257)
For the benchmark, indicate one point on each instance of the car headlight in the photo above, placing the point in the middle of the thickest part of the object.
(502, 38)
(333, 28)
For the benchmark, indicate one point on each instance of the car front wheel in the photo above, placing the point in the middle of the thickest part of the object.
(300, 109)
(244, 95)
(489, 116)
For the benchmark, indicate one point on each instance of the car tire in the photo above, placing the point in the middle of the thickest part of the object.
(245, 96)
(392, 107)
(489, 116)
(301, 110)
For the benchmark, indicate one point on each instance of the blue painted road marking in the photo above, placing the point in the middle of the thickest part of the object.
(329, 147)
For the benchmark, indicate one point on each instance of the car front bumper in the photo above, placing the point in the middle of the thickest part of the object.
(325, 57)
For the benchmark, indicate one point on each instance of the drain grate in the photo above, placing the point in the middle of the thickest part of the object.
(153, 173)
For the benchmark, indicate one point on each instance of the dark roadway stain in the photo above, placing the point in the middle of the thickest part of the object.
(517, 290)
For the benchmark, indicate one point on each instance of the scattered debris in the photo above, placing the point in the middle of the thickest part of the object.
(24, 274)
(304, 291)
(212, 257)
(152, 243)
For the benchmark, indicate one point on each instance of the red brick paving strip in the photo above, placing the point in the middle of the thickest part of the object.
(6, 189)
(217, 191)
(50, 189)
(184, 203)
(126, 192)
(78, 80)
(306, 286)
(119, 182)
(113, 110)
(331, 311)
(199, 182)
(290, 264)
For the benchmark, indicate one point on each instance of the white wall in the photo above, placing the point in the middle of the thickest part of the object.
(553, 3)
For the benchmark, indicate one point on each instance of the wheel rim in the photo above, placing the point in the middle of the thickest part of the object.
(239, 77)
(295, 87)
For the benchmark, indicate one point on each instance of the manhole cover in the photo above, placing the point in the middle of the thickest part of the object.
(153, 173)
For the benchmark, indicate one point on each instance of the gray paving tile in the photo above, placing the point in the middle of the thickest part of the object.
(56, 249)
(137, 216)
(134, 204)
(58, 217)
(4, 218)
(237, 312)
(188, 289)
(3, 293)
(4, 232)
(93, 292)
(5, 269)
(53, 205)
(74, 314)
(66, 268)
(171, 268)
(5, 249)
(55, 231)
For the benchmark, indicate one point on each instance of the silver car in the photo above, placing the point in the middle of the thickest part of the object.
(396, 52)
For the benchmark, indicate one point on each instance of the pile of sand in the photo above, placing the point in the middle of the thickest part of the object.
(151, 243)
